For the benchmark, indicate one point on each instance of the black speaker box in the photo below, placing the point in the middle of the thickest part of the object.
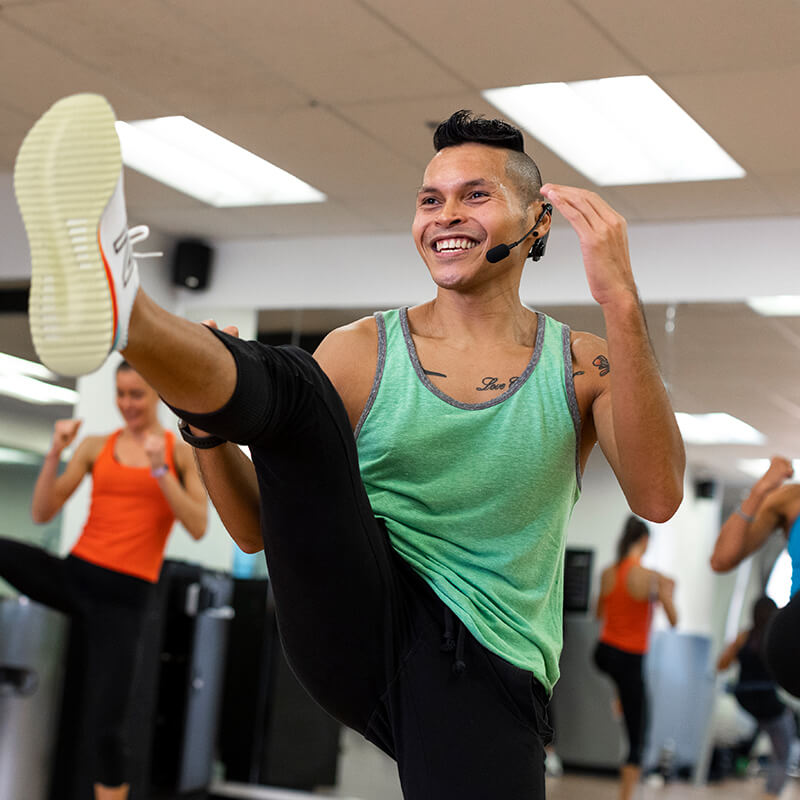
(191, 264)
(705, 489)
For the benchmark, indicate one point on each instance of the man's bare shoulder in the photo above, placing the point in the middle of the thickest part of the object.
(348, 345)
(586, 347)
(349, 357)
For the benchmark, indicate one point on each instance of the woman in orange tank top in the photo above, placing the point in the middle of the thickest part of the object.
(142, 480)
(628, 592)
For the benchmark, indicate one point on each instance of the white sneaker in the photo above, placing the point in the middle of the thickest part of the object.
(68, 183)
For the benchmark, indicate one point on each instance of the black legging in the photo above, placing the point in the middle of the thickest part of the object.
(107, 610)
(625, 669)
(364, 633)
(782, 646)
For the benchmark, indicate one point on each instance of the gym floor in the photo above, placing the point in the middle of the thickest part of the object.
(367, 774)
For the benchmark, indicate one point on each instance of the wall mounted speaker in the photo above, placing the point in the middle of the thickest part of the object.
(191, 264)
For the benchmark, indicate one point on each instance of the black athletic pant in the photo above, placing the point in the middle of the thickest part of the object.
(782, 646)
(362, 631)
(625, 669)
(107, 610)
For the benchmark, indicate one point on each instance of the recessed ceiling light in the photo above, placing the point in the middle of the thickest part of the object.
(11, 455)
(12, 365)
(198, 162)
(717, 428)
(31, 390)
(617, 131)
(18, 379)
(779, 305)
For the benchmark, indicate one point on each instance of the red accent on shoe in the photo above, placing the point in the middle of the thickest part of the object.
(110, 279)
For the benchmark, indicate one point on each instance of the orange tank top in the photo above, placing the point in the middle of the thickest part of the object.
(129, 518)
(626, 623)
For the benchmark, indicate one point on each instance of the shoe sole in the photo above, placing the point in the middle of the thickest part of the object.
(65, 173)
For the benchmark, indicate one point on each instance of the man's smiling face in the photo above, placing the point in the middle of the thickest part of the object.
(466, 205)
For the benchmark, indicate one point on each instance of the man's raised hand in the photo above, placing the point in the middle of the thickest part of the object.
(603, 236)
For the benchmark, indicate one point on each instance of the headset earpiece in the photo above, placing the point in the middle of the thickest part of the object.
(537, 251)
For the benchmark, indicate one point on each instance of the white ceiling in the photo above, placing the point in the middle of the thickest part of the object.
(342, 94)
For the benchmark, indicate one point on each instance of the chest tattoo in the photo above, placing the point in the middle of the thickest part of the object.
(492, 384)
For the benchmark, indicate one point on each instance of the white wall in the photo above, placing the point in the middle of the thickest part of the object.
(674, 262)
(680, 548)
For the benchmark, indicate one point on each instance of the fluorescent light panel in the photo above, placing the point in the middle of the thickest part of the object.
(31, 390)
(780, 305)
(756, 467)
(12, 365)
(617, 131)
(11, 455)
(198, 162)
(717, 428)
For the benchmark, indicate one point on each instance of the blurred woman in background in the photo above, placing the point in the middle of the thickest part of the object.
(755, 692)
(143, 479)
(628, 593)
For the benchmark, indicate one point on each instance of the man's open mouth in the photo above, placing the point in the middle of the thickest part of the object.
(453, 245)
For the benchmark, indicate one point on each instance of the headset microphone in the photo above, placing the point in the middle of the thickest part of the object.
(501, 251)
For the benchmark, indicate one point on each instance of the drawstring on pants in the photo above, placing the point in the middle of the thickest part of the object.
(449, 644)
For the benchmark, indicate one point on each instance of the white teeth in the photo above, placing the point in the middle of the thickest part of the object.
(453, 244)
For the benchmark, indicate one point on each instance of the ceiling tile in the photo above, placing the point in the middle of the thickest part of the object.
(699, 200)
(13, 121)
(158, 52)
(518, 42)
(785, 187)
(43, 74)
(687, 36)
(337, 51)
(322, 148)
(752, 114)
(9, 146)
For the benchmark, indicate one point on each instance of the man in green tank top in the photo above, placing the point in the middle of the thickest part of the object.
(417, 575)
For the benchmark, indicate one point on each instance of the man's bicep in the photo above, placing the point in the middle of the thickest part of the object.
(603, 421)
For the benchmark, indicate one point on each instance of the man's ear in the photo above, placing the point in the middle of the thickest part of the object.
(542, 231)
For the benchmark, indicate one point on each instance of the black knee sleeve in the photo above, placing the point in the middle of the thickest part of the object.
(782, 647)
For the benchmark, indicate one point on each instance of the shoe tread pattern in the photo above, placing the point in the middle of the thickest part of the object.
(65, 174)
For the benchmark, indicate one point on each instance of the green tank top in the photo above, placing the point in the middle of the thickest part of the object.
(477, 497)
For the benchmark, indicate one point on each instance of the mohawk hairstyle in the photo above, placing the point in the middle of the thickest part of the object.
(464, 126)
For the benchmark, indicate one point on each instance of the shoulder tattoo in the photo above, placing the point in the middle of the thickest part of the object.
(601, 362)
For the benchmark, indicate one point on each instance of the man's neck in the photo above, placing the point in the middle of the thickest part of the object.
(471, 320)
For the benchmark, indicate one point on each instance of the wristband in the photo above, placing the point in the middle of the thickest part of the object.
(159, 472)
(200, 442)
(745, 517)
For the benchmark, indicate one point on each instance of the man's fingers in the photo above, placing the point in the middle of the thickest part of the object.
(566, 208)
(590, 205)
(231, 329)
